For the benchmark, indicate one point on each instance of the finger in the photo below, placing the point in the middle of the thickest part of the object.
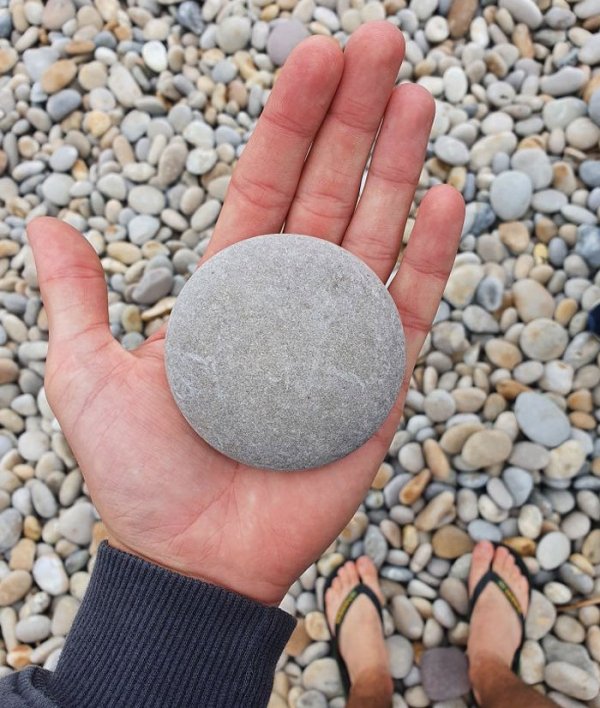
(71, 282)
(266, 176)
(328, 189)
(418, 286)
(376, 230)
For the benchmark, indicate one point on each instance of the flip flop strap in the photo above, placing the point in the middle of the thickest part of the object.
(356, 591)
(492, 577)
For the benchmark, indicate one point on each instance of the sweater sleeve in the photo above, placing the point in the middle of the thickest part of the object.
(145, 636)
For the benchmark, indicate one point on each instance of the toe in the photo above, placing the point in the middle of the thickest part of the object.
(503, 563)
(331, 606)
(483, 553)
(506, 566)
(348, 576)
(369, 576)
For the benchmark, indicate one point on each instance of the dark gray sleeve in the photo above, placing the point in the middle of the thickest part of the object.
(145, 636)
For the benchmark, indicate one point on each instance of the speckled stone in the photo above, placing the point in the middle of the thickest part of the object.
(285, 352)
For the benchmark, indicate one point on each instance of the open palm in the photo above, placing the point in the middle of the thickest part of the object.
(165, 494)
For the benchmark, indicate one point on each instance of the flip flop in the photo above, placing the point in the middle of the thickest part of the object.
(358, 590)
(492, 577)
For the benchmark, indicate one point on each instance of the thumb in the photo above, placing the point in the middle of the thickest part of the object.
(71, 282)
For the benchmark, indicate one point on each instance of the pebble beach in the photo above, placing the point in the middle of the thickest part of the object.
(126, 121)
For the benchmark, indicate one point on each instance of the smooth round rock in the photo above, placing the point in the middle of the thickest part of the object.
(541, 419)
(553, 550)
(285, 352)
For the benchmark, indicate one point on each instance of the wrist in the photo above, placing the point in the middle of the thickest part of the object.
(257, 591)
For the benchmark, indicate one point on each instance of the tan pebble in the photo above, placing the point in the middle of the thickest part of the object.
(540, 253)
(316, 627)
(162, 307)
(281, 683)
(531, 299)
(22, 555)
(355, 527)
(596, 467)
(545, 229)
(487, 447)
(123, 33)
(79, 170)
(565, 310)
(96, 123)
(469, 400)
(92, 75)
(520, 544)
(32, 528)
(131, 318)
(392, 533)
(510, 389)
(415, 487)
(514, 235)
(19, 657)
(237, 91)
(9, 371)
(568, 233)
(593, 642)
(410, 539)
(14, 587)
(583, 421)
(451, 542)
(591, 87)
(581, 562)
(521, 38)
(8, 248)
(460, 16)
(99, 534)
(8, 58)
(270, 12)
(383, 476)
(494, 405)
(58, 75)
(581, 400)
(503, 354)
(78, 47)
(24, 471)
(591, 547)
(124, 252)
(436, 460)
(454, 438)
(299, 640)
(457, 178)
(564, 178)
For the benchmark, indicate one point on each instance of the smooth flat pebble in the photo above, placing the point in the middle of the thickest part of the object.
(541, 420)
(444, 673)
(343, 315)
(553, 550)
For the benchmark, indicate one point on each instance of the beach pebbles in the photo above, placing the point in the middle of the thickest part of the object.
(285, 352)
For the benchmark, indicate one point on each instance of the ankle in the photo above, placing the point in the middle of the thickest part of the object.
(484, 671)
(373, 683)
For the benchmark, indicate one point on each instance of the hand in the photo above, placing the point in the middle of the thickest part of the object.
(162, 492)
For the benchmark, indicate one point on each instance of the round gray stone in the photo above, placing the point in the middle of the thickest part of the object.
(541, 419)
(283, 38)
(510, 194)
(553, 550)
(285, 352)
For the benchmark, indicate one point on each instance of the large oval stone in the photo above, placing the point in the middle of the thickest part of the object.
(285, 352)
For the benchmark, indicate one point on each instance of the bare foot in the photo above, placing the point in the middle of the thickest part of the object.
(360, 639)
(495, 631)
